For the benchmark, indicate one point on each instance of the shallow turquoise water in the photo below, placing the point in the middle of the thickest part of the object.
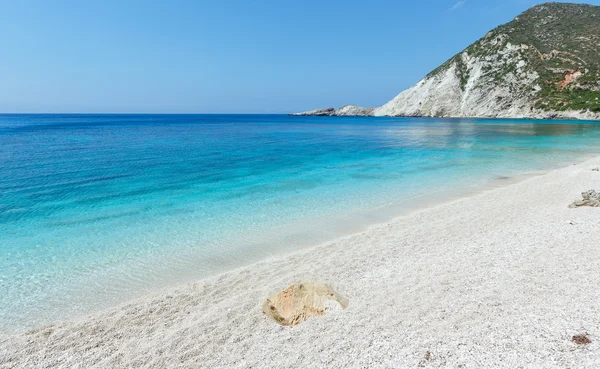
(97, 209)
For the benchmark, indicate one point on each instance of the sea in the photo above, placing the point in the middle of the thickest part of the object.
(99, 209)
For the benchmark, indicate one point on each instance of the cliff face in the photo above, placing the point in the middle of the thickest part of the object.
(543, 64)
(473, 86)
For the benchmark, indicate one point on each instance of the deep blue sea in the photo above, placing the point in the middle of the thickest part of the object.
(96, 209)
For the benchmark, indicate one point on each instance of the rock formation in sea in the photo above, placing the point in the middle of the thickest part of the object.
(317, 113)
(344, 111)
(544, 64)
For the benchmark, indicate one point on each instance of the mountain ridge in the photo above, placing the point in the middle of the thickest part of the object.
(545, 63)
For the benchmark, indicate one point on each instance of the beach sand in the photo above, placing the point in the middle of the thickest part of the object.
(504, 278)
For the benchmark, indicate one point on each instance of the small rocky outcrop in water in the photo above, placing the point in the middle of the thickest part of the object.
(316, 113)
(344, 111)
(302, 301)
(590, 198)
(354, 111)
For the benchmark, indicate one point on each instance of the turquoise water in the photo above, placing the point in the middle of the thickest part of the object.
(98, 209)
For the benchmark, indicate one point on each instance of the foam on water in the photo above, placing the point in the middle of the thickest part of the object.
(98, 209)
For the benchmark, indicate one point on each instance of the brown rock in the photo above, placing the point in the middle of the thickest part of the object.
(590, 198)
(302, 301)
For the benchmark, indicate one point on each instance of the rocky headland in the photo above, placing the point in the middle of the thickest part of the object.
(545, 64)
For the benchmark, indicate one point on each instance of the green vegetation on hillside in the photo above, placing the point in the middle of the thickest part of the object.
(567, 37)
(562, 39)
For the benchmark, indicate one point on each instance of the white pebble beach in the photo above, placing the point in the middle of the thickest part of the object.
(501, 279)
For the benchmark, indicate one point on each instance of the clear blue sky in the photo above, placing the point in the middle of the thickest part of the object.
(213, 56)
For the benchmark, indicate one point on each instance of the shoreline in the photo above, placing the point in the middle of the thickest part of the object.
(145, 241)
(169, 308)
(537, 119)
(554, 116)
(300, 239)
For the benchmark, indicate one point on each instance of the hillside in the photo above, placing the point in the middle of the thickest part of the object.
(543, 64)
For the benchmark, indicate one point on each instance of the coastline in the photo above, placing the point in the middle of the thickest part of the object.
(427, 315)
(357, 111)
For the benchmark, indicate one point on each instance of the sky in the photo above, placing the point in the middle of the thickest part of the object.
(225, 56)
